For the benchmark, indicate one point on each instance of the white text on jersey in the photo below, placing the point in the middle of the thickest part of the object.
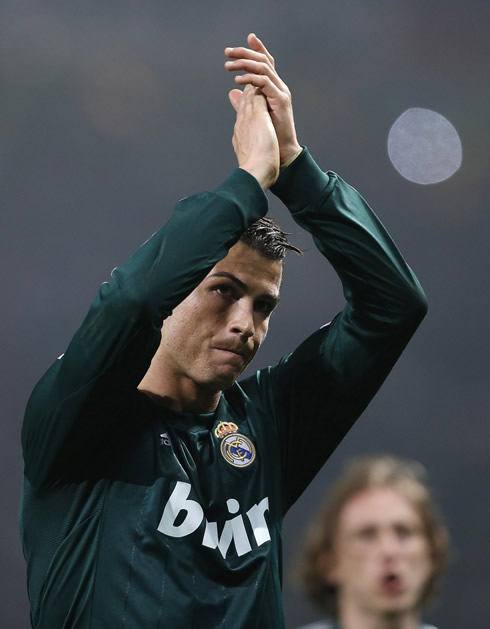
(233, 529)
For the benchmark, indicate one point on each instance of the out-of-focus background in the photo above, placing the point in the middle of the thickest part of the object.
(110, 112)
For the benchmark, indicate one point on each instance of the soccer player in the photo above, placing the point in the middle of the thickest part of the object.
(155, 484)
(376, 550)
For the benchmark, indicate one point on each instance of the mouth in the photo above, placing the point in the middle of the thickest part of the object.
(233, 350)
(391, 583)
(231, 353)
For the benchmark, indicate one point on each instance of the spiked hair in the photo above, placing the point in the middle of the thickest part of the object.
(266, 237)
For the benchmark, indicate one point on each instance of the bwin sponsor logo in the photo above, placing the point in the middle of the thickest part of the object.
(233, 530)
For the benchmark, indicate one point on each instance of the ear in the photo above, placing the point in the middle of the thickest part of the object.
(235, 96)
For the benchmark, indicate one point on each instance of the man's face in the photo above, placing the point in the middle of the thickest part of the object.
(215, 332)
(381, 561)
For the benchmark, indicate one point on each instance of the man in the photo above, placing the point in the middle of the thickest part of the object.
(376, 550)
(155, 484)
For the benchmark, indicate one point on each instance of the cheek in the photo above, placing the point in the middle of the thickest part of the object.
(420, 558)
(262, 329)
(177, 331)
(353, 566)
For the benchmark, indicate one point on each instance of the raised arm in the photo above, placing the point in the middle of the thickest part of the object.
(323, 387)
(316, 393)
(113, 348)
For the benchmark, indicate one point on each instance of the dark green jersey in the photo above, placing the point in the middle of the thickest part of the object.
(133, 516)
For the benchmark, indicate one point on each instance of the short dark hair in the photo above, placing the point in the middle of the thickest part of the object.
(266, 237)
(406, 476)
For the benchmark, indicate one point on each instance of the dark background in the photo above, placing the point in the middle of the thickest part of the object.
(112, 111)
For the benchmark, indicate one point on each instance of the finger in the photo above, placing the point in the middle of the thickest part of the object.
(241, 52)
(252, 67)
(264, 83)
(249, 91)
(235, 97)
(252, 101)
(246, 100)
(256, 44)
(255, 67)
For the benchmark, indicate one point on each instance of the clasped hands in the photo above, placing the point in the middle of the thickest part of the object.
(264, 137)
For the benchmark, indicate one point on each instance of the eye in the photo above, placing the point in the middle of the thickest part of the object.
(404, 532)
(367, 534)
(225, 290)
(264, 307)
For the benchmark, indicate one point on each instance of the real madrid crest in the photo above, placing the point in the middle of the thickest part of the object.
(236, 449)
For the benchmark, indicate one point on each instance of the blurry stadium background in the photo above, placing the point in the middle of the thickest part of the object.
(112, 111)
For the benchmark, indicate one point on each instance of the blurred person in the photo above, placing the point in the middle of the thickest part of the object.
(155, 484)
(375, 552)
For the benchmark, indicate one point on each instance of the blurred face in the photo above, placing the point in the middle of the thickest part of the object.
(381, 560)
(216, 331)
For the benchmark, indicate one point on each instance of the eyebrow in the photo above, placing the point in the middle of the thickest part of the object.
(273, 298)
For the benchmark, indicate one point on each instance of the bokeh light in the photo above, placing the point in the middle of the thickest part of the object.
(424, 147)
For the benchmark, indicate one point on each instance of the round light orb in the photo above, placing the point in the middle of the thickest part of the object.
(424, 147)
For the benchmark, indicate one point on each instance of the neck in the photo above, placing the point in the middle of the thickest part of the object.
(177, 392)
(353, 618)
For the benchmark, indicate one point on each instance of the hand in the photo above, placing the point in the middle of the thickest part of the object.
(259, 67)
(254, 138)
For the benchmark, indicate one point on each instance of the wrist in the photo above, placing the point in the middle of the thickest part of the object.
(265, 174)
(290, 154)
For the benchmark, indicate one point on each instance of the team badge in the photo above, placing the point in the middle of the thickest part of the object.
(236, 449)
(225, 428)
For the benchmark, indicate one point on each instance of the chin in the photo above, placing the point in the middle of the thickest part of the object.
(221, 382)
(227, 383)
(393, 609)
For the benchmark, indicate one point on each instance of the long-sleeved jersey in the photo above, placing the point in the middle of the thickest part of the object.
(137, 517)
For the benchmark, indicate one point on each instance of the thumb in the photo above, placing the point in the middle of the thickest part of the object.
(235, 96)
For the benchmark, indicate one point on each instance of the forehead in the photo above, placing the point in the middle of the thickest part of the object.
(378, 506)
(251, 267)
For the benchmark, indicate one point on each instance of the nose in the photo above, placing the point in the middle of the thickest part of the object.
(242, 320)
(389, 544)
